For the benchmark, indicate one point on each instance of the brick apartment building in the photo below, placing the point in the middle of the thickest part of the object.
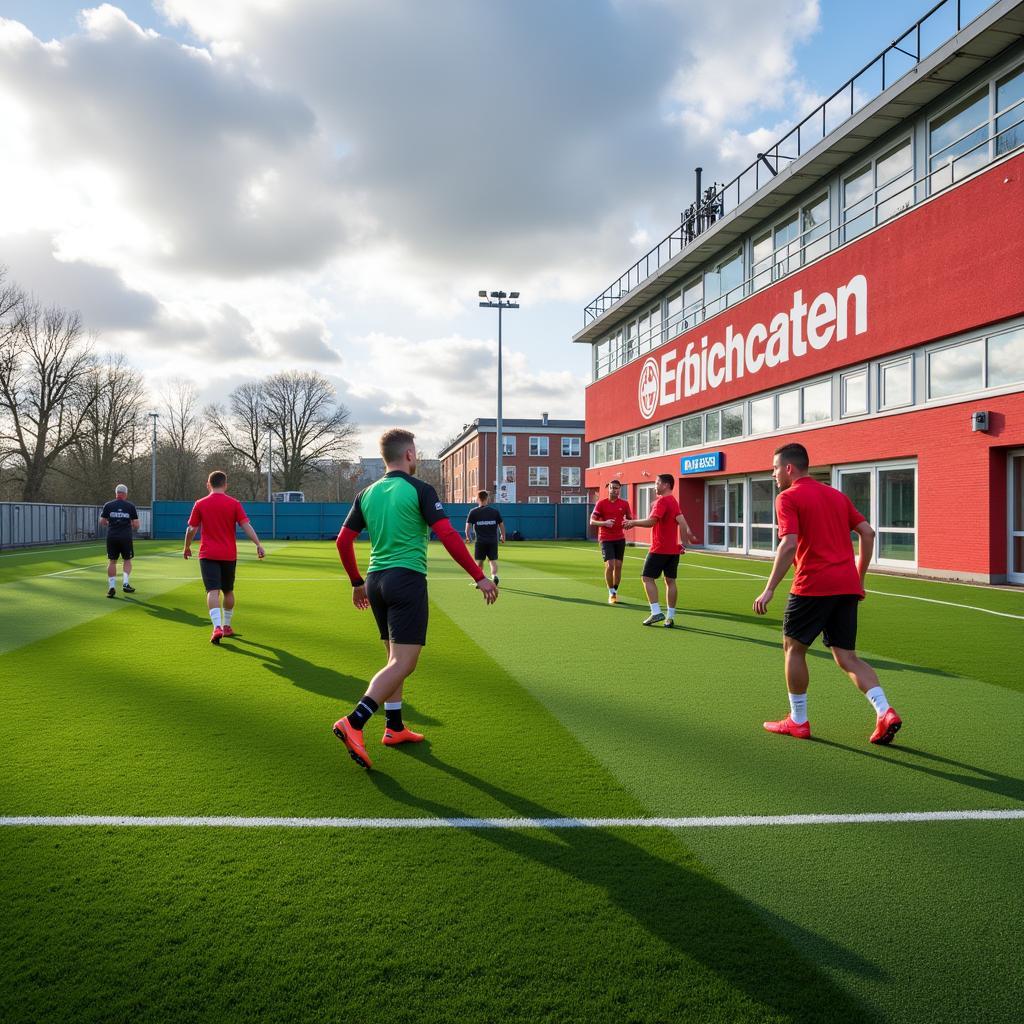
(544, 461)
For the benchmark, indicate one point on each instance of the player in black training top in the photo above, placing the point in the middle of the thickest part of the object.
(490, 527)
(120, 517)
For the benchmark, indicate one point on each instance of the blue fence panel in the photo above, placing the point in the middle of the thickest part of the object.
(321, 520)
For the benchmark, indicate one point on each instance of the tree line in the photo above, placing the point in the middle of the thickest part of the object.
(74, 423)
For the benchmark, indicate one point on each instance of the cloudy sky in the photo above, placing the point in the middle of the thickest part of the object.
(229, 187)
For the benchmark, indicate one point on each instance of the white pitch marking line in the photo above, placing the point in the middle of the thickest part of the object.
(728, 821)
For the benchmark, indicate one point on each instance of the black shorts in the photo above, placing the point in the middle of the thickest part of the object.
(833, 617)
(486, 549)
(120, 547)
(655, 565)
(613, 550)
(398, 599)
(218, 575)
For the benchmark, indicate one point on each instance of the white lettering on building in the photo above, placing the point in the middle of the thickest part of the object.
(827, 318)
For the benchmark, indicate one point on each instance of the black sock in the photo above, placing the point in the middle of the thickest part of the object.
(394, 718)
(363, 712)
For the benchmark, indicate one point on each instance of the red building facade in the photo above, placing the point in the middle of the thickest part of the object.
(867, 302)
(544, 461)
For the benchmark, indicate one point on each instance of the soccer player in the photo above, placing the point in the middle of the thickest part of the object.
(120, 517)
(399, 512)
(217, 514)
(815, 521)
(667, 524)
(608, 516)
(490, 529)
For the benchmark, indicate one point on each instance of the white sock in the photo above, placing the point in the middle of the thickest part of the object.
(215, 616)
(655, 608)
(392, 705)
(670, 613)
(613, 590)
(111, 581)
(798, 707)
(228, 612)
(877, 698)
(124, 577)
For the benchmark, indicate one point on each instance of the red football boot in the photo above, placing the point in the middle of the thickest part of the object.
(787, 727)
(227, 631)
(888, 725)
(216, 635)
(353, 740)
(393, 737)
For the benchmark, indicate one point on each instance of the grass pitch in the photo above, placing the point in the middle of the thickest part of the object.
(550, 704)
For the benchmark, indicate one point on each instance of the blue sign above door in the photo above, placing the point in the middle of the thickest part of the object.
(709, 462)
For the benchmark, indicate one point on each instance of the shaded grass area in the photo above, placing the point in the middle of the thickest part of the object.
(550, 704)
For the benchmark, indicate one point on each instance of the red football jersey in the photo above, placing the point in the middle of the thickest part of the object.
(216, 516)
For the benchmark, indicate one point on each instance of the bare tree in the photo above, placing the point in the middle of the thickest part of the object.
(44, 397)
(115, 394)
(181, 435)
(307, 423)
(242, 430)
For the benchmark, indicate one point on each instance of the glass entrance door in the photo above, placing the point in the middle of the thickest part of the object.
(1016, 482)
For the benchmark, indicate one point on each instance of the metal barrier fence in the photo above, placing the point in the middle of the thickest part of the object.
(322, 520)
(26, 524)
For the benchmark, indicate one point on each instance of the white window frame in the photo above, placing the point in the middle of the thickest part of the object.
(981, 340)
(844, 413)
(883, 364)
(644, 500)
(506, 448)
(572, 471)
(539, 446)
(874, 518)
(538, 499)
(535, 473)
(571, 443)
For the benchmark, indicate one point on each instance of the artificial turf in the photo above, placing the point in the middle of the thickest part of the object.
(550, 704)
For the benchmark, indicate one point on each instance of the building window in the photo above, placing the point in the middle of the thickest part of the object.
(956, 369)
(714, 525)
(789, 408)
(878, 190)
(713, 426)
(570, 476)
(854, 391)
(723, 284)
(644, 500)
(887, 497)
(732, 421)
(762, 415)
(538, 476)
(1006, 358)
(509, 473)
(1010, 111)
(631, 444)
(896, 384)
(817, 400)
(956, 140)
(575, 499)
(538, 499)
(762, 514)
(654, 440)
(693, 431)
(817, 220)
(674, 436)
(508, 444)
(570, 447)
(539, 446)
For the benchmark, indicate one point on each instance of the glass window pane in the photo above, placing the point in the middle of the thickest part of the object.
(713, 424)
(1010, 127)
(857, 186)
(655, 440)
(958, 121)
(1010, 90)
(736, 502)
(857, 487)
(952, 371)
(716, 503)
(896, 385)
(716, 536)
(816, 223)
(1006, 358)
(762, 260)
(735, 536)
(896, 498)
(691, 431)
(762, 501)
(818, 401)
(643, 440)
(789, 408)
(896, 546)
(693, 302)
(732, 421)
(897, 161)
(762, 415)
(617, 449)
(631, 449)
(761, 539)
(855, 393)
(674, 435)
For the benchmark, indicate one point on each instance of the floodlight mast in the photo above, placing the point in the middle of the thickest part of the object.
(504, 301)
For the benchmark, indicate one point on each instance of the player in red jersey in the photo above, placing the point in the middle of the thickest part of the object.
(815, 521)
(608, 516)
(667, 524)
(217, 514)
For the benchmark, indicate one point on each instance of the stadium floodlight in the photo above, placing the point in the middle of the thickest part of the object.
(154, 416)
(504, 302)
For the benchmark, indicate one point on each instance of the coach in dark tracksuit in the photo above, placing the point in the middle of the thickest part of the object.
(489, 526)
(120, 517)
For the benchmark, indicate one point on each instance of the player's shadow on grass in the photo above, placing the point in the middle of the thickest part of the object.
(326, 682)
(965, 774)
(551, 597)
(684, 908)
(159, 611)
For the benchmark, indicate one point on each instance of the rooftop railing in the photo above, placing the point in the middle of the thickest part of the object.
(926, 35)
